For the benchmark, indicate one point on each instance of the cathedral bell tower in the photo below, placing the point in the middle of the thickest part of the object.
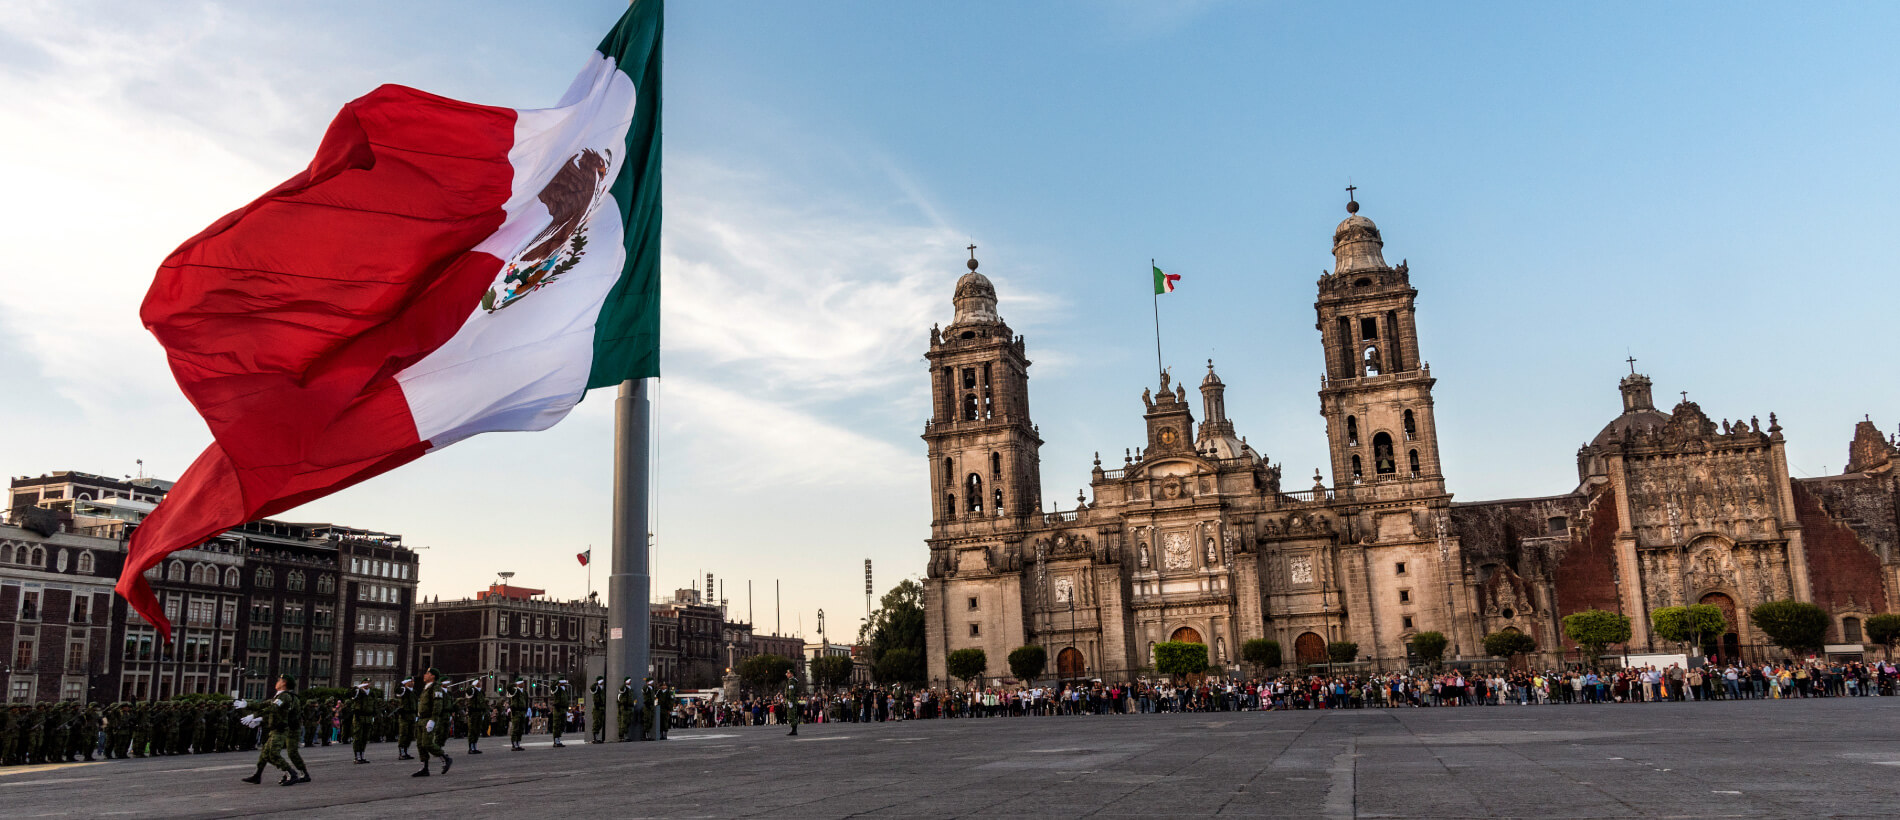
(984, 460)
(1377, 393)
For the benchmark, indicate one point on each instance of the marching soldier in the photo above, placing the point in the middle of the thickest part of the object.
(432, 716)
(477, 715)
(628, 707)
(405, 706)
(597, 714)
(791, 702)
(277, 717)
(517, 713)
(557, 712)
(363, 710)
(312, 716)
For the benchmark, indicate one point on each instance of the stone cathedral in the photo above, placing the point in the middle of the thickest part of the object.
(1199, 537)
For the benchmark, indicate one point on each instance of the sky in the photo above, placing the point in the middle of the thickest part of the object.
(1707, 187)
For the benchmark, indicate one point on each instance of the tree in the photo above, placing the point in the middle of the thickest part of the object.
(1262, 652)
(1792, 625)
(831, 670)
(1430, 646)
(1026, 662)
(1509, 642)
(1342, 651)
(898, 623)
(763, 672)
(1884, 630)
(1688, 624)
(899, 665)
(1180, 657)
(967, 665)
(1594, 629)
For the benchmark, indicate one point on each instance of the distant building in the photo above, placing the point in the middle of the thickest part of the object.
(508, 632)
(689, 639)
(253, 602)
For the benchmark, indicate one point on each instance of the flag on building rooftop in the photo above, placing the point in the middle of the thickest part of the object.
(441, 269)
(585, 556)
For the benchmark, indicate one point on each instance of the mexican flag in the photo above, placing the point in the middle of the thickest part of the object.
(441, 269)
(1164, 282)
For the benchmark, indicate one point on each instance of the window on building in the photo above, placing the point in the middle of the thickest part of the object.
(228, 615)
(30, 605)
(1412, 461)
(59, 561)
(1400, 567)
(973, 603)
(294, 581)
(1408, 621)
(1850, 630)
(1411, 426)
(224, 649)
(326, 584)
(23, 654)
(1352, 431)
(973, 490)
(1559, 525)
(1368, 328)
(503, 623)
(232, 579)
(1405, 596)
(85, 562)
(976, 630)
(265, 579)
(1358, 470)
(175, 571)
(82, 609)
(198, 574)
(171, 608)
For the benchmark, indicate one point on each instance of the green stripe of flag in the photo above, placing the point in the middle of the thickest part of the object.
(627, 333)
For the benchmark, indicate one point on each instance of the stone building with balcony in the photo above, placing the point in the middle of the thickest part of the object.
(1195, 537)
(507, 632)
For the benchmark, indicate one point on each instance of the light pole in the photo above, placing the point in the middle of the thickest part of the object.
(1071, 620)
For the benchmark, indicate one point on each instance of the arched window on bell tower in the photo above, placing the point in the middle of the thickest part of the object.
(949, 473)
(949, 505)
(1352, 431)
(973, 489)
(996, 502)
(1414, 459)
(1358, 469)
(996, 465)
(1382, 454)
(1411, 426)
(969, 407)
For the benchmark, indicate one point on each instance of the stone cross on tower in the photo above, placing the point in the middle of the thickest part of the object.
(1632, 361)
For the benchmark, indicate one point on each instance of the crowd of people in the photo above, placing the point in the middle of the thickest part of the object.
(1714, 681)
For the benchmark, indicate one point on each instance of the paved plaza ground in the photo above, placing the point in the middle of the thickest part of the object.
(1827, 758)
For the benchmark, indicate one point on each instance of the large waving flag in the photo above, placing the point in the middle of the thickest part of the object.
(441, 269)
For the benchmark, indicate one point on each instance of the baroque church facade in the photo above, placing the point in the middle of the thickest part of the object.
(1196, 537)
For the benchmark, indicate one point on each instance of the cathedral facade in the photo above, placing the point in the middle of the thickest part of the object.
(1195, 537)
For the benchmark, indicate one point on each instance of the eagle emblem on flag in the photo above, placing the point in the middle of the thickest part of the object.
(571, 197)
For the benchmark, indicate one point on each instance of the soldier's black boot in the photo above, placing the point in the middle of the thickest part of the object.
(289, 779)
(422, 772)
(303, 775)
(793, 732)
(255, 778)
(446, 763)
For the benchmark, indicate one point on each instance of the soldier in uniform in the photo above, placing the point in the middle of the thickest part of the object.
(597, 711)
(432, 717)
(557, 712)
(362, 710)
(477, 704)
(405, 718)
(648, 705)
(277, 717)
(7, 728)
(628, 707)
(791, 702)
(517, 713)
(86, 738)
(664, 718)
(141, 726)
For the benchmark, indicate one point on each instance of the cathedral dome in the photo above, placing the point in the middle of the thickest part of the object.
(1648, 419)
(1357, 246)
(975, 299)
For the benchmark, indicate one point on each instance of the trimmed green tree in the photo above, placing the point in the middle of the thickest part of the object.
(832, 670)
(899, 665)
(1180, 658)
(1262, 652)
(1688, 624)
(1430, 646)
(1594, 629)
(1342, 651)
(1884, 629)
(764, 672)
(1792, 625)
(967, 665)
(1027, 662)
(898, 623)
(1508, 643)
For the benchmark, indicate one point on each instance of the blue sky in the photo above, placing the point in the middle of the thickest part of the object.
(1706, 186)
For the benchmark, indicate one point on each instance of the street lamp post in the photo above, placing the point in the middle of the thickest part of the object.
(1071, 620)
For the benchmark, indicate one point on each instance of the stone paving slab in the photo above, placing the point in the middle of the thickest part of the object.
(1826, 758)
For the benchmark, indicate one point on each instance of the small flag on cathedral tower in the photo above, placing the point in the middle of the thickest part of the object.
(1164, 282)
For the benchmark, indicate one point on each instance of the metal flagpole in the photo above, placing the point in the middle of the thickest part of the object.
(1159, 368)
(628, 585)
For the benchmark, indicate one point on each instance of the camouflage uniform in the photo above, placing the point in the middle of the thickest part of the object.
(279, 723)
(405, 720)
(597, 711)
(557, 712)
(362, 710)
(433, 710)
(477, 705)
(517, 714)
